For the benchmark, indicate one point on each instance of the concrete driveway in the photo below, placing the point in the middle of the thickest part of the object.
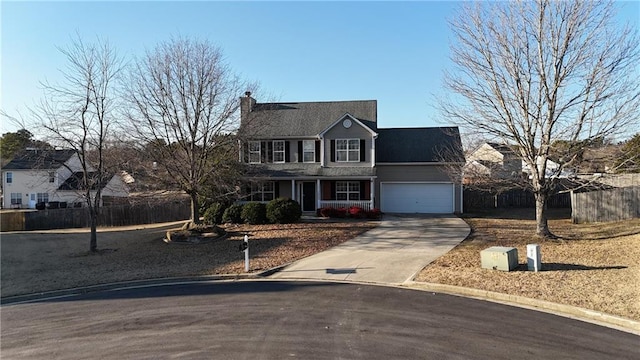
(392, 253)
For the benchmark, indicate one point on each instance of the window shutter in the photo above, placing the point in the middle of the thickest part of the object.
(363, 190)
(276, 188)
(263, 151)
(270, 151)
(363, 151)
(287, 150)
(333, 189)
(333, 151)
(300, 154)
(317, 151)
(245, 152)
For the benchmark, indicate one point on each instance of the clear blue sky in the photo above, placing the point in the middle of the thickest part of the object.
(393, 52)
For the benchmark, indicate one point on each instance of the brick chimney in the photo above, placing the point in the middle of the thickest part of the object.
(246, 105)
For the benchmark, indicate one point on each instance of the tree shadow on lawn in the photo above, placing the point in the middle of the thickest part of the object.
(518, 214)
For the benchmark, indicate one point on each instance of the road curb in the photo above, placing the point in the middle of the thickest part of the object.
(574, 312)
(26, 298)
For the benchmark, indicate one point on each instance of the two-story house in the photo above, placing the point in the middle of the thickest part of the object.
(332, 154)
(50, 176)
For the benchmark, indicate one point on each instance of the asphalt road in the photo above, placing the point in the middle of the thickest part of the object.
(307, 320)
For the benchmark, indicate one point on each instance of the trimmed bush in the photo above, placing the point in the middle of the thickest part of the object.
(254, 213)
(283, 211)
(233, 214)
(213, 215)
(356, 212)
(374, 213)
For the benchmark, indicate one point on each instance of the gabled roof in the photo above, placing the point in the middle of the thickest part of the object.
(73, 182)
(306, 119)
(39, 159)
(352, 119)
(502, 148)
(405, 145)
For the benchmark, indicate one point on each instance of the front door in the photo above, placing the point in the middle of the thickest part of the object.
(308, 196)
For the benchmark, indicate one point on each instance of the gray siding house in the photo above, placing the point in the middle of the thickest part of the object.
(332, 154)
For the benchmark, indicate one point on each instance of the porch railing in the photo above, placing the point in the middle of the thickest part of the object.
(335, 204)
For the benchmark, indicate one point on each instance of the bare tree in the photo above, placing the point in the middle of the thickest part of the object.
(184, 109)
(529, 73)
(77, 114)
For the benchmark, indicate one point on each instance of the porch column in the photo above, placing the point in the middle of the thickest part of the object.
(293, 190)
(371, 193)
(317, 193)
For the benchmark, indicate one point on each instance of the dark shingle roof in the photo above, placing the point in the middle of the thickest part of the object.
(437, 144)
(301, 119)
(74, 182)
(502, 148)
(39, 159)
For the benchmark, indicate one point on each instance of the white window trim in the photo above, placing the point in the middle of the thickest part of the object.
(17, 197)
(260, 189)
(348, 192)
(283, 151)
(43, 196)
(348, 150)
(255, 152)
(313, 150)
(9, 177)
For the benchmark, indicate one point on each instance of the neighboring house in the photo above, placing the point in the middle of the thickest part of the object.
(492, 160)
(332, 154)
(49, 176)
(499, 161)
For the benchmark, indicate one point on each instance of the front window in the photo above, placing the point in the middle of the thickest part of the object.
(16, 198)
(263, 191)
(254, 152)
(9, 177)
(43, 197)
(309, 151)
(347, 190)
(348, 150)
(278, 151)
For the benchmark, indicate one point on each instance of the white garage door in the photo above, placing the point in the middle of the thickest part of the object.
(428, 198)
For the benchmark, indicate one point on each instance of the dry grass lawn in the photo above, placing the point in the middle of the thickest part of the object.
(36, 262)
(593, 266)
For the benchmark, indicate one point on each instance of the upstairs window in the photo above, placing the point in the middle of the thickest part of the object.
(348, 150)
(52, 176)
(254, 152)
(9, 177)
(347, 190)
(309, 151)
(278, 151)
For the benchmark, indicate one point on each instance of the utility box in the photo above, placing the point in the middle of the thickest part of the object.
(499, 258)
(534, 260)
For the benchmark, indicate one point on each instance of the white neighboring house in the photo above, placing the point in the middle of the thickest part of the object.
(44, 176)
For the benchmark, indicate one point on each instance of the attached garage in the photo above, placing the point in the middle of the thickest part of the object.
(417, 197)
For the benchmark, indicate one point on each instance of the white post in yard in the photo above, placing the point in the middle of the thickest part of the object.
(246, 253)
(534, 260)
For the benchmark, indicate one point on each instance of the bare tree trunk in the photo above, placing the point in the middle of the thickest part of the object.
(195, 211)
(542, 225)
(93, 243)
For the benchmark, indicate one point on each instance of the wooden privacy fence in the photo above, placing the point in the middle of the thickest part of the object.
(605, 205)
(480, 200)
(119, 215)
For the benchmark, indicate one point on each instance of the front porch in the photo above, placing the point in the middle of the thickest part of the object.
(313, 194)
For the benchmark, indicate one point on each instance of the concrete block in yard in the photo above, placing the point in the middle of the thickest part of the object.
(499, 258)
(534, 260)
